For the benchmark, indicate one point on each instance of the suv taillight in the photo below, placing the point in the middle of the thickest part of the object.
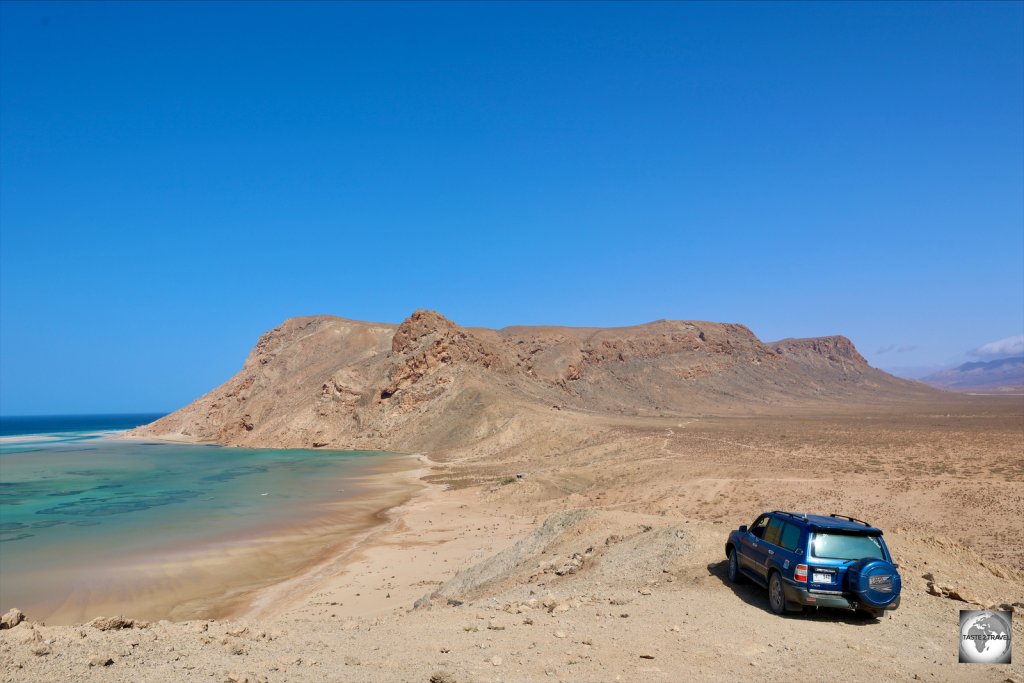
(801, 573)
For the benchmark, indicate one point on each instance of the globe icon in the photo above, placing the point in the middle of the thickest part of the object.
(985, 638)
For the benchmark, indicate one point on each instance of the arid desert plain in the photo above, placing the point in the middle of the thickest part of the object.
(565, 505)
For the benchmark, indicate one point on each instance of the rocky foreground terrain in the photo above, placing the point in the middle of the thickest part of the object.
(578, 489)
(586, 596)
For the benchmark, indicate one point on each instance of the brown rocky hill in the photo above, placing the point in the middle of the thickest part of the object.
(429, 384)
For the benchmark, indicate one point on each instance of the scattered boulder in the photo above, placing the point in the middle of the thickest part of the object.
(952, 592)
(234, 677)
(442, 677)
(12, 618)
(116, 623)
(961, 594)
(100, 660)
(27, 634)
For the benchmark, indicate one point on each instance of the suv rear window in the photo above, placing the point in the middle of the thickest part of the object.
(836, 546)
(790, 538)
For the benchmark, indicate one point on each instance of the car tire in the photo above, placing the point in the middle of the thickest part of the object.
(735, 575)
(776, 594)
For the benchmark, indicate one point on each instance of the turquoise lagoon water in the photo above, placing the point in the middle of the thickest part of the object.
(164, 530)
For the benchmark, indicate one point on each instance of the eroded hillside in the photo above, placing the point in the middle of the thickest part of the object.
(430, 384)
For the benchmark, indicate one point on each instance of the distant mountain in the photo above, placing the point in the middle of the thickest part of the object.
(1005, 375)
(431, 384)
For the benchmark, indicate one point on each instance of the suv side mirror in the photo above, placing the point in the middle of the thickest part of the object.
(743, 528)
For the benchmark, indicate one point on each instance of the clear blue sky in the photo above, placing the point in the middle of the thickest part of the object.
(177, 178)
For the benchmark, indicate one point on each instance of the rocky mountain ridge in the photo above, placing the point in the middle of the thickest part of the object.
(428, 383)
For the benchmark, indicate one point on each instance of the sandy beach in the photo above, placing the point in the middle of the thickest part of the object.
(176, 561)
(422, 543)
(65, 436)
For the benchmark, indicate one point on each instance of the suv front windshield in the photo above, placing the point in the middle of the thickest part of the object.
(835, 546)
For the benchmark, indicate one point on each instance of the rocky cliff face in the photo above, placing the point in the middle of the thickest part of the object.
(430, 384)
(835, 349)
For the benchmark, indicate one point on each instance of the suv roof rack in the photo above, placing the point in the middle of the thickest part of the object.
(852, 519)
(797, 515)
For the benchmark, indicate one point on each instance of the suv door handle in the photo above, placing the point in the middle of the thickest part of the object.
(771, 552)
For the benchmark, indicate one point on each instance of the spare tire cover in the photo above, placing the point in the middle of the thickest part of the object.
(867, 579)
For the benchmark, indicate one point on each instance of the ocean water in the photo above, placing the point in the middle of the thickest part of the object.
(71, 425)
(169, 530)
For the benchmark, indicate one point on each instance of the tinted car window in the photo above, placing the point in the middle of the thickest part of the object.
(774, 531)
(759, 526)
(846, 546)
(790, 538)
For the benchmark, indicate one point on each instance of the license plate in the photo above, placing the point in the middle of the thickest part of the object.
(821, 577)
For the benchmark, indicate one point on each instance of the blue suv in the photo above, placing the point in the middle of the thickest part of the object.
(815, 561)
